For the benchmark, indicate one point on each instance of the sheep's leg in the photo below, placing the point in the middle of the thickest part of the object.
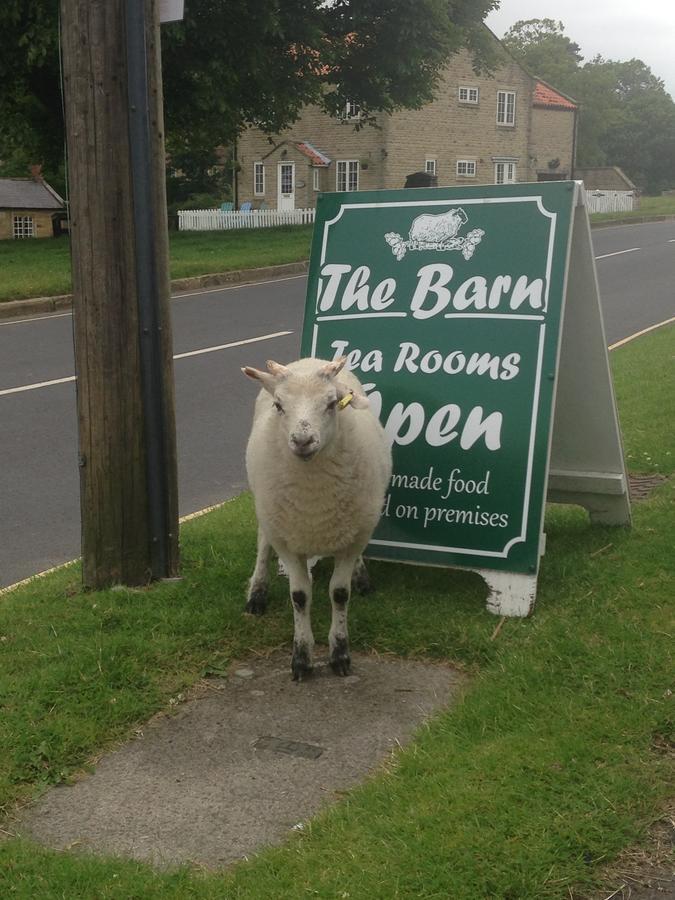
(360, 579)
(340, 589)
(301, 598)
(256, 602)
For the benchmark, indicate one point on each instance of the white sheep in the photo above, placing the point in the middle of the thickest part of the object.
(318, 464)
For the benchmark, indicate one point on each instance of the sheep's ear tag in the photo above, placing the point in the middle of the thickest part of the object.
(346, 400)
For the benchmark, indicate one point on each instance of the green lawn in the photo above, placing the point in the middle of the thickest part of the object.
(649, 206)
(552, 762)
(42, 268)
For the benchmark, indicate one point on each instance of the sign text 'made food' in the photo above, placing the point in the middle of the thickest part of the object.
(447, 304)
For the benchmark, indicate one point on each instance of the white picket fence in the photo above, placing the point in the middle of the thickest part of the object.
(217, 220)
(610, 201)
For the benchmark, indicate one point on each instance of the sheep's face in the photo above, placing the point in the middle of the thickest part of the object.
(307, 406)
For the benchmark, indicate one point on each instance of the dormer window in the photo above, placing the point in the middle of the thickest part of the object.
(352, 110)
(468, 94)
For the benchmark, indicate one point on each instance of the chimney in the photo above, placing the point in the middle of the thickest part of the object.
(36, 172)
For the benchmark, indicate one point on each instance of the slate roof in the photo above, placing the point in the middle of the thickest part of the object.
(316, 156)
(545, 95)
(26, 193)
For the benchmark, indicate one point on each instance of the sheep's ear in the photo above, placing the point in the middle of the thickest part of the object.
(266, 380)
(277, 369)
(331, 369)
(358, 400)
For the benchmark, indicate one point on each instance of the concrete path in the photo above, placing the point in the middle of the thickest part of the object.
(243, 762)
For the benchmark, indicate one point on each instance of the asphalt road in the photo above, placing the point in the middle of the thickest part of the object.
(39, 492)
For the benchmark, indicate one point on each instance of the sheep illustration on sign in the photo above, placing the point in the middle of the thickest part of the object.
(439, 232)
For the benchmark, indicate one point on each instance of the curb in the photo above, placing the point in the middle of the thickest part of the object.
(12, 309)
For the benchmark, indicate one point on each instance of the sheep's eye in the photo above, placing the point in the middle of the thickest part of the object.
(331, 404)
(278, 406)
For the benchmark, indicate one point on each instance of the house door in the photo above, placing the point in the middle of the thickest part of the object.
(286, 186)
(505, 173)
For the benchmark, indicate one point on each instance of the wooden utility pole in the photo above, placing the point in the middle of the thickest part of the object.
(119, 246)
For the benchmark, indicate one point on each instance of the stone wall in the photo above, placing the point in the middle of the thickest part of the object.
(552, 139)
(42, 222)
(446, 130)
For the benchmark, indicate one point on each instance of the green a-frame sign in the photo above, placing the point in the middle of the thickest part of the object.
(472, 317)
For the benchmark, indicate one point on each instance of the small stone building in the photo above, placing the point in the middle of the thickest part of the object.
(479, 129)
(606, 178)
(29, 208)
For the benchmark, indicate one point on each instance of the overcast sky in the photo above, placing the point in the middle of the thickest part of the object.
(616, 29)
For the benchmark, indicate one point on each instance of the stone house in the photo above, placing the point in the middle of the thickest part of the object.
(478, 130)
(29, 208)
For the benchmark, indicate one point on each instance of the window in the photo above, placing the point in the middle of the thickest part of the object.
(286, 178)
(23, 227)
(347, 175)
(258, 179)
(466, 168)
(352, 110)
(468, 94)
(505, 173)
(316, 179)
(506, 108)
(430, 166)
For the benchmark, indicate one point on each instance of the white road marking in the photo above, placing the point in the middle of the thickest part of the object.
(35, 319)
(638, 334)
(255, 340)
(36, 386)
(618, 252)
(263, 337)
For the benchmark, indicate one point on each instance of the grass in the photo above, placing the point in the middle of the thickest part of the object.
(551, 764)
(649, 206)
(42, 268)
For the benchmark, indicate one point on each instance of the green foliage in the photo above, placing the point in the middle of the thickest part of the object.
(42, 268)
(626, 117)
(247, 62)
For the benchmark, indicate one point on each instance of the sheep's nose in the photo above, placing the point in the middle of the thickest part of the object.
(304, 445)
(302, 441)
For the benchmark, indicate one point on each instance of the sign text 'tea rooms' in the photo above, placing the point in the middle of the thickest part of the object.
(447, 304)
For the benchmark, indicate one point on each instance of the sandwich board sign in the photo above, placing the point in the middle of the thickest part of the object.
(471, 315)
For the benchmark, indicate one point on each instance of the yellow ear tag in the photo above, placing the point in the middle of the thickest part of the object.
(346, 400)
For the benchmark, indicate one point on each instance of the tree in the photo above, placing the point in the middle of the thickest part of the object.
(626, 117)
(233, 63)
(542, 46)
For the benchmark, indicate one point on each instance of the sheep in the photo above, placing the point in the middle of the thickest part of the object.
(318, 465)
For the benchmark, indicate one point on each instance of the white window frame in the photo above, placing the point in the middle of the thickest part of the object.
(23, 227)
(258, 170)
(468, 93)
(469, 166)
(505, 172)
(506, 108)
(347, 173)
(352, 110)
(430, 166)
(316, 179)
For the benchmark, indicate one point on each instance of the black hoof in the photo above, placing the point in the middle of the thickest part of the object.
(257, 601)
(301, 662)
(340, 660)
